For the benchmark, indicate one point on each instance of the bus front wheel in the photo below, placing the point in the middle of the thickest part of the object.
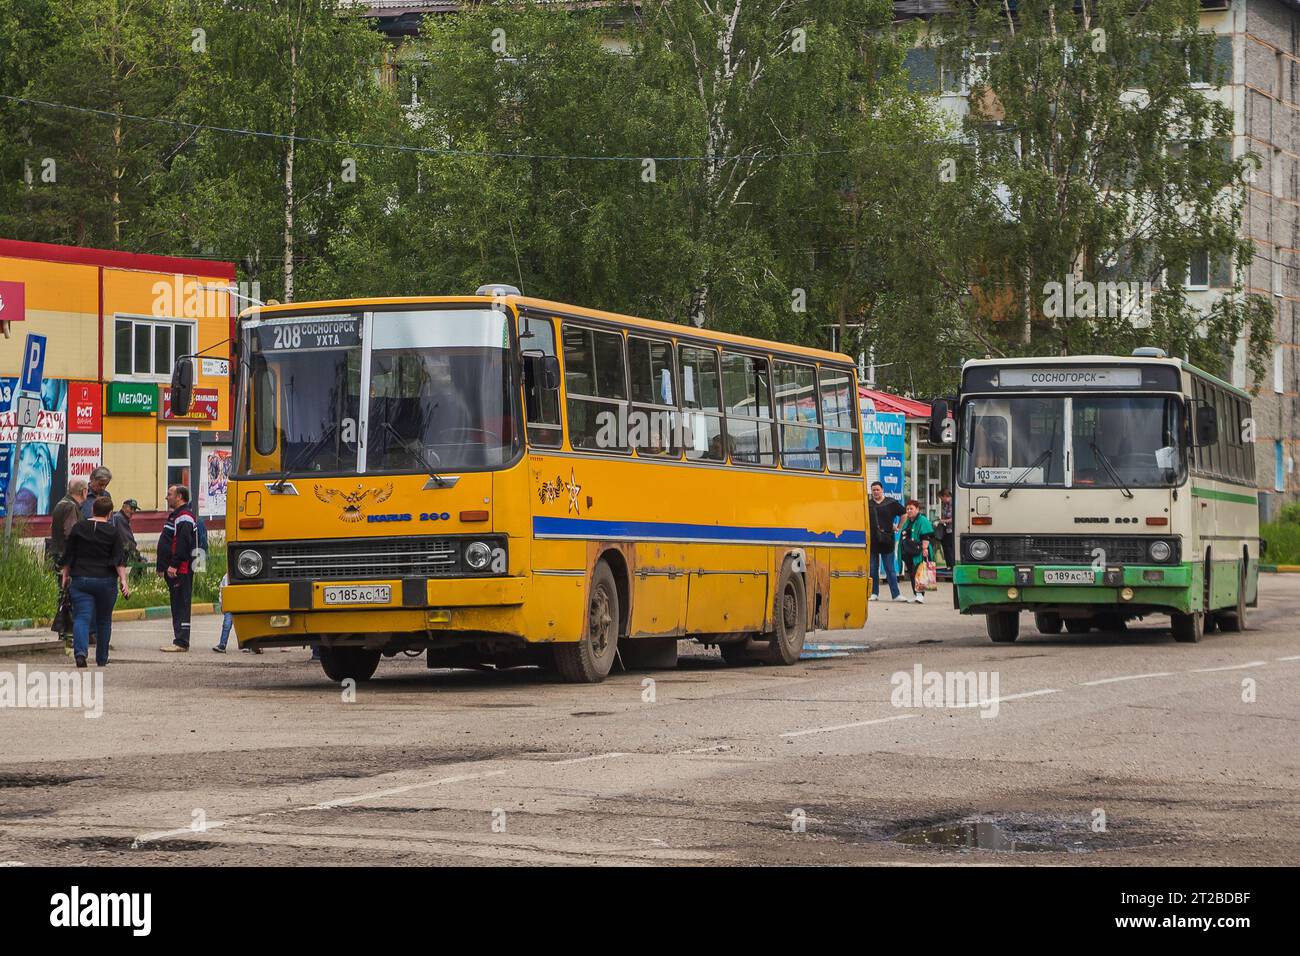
(589, 660)
(1003, 626)
(341, 663)
(1187, 628)
(1234, 621)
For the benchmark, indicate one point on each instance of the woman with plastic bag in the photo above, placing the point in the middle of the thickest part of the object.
(916, 547)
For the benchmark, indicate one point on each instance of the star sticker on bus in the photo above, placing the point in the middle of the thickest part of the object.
(351, 500)
(574, 488)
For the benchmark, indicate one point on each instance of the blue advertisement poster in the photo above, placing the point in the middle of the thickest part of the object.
(42, 470)
(884, 437)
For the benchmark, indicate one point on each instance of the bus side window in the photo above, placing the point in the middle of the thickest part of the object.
(842, 440)
(595, 383)
(747, 393)
(541, 404)
(700, 394)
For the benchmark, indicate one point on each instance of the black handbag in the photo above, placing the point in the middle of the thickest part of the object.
(62, 623)
(908, 547)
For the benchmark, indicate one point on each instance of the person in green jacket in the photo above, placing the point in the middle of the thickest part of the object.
(916, 544)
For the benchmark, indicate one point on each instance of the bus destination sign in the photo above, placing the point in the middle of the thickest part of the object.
(1070, 376)
(311, 333)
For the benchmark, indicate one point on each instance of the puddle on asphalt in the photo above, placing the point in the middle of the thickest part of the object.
(973, 836)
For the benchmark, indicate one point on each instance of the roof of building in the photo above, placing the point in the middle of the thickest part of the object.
(114, 259)
(885, 402)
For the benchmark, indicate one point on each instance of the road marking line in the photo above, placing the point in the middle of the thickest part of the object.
(560, 763)
(1028, 693)
(860, 723)
(168, 834)
(1115, 680)
(701, 750)
(1228, 667)
(1294, 658)
(345, 801)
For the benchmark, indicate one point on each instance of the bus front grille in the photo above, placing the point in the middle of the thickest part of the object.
(1064, 549)
(365, 558)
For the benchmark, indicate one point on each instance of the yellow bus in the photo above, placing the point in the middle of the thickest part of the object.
(501, 480)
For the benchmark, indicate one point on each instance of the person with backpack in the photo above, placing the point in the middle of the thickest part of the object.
(916, 544)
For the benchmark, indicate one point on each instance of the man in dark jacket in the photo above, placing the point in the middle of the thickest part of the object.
(884, 511)
(176, 547)
(122, 521)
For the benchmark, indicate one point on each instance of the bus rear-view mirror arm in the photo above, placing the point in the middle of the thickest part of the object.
(943, 427)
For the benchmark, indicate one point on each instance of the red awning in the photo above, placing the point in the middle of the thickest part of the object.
(885, 402)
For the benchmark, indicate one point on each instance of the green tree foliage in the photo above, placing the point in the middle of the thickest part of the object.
(1097, 125)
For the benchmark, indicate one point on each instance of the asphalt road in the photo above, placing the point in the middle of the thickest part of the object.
(1104, 749)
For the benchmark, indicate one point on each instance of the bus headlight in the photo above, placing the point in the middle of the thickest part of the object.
(477, 555)
(1160, 551)
(249, 564)
(978, 549)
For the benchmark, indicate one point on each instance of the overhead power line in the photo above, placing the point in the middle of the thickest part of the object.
(402, 148)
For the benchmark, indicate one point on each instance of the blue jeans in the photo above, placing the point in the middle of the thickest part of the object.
(885, 559)
(92, 601)
(226, 625)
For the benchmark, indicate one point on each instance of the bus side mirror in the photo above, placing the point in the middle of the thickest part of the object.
(543, 371)
(943, 429)
(1207, 426)
(182, 386)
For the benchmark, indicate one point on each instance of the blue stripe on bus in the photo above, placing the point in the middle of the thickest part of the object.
(674, 531)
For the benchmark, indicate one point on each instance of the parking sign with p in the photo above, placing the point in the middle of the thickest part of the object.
(33, 363)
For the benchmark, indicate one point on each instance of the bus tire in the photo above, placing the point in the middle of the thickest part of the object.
(1003, 626)
(790, 622)
(1234, 622)
(1078, 625)
(1048, 622)
(1187, 628)
(343, 663)
(590, 659)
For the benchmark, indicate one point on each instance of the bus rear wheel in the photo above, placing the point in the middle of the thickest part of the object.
(1048, 623)
(342, 663)
(790, 623)
(1003, 626)
(1187, 628)
(590, 659)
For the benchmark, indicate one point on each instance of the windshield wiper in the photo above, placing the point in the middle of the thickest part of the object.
(304, 455)
(1045, 456)
(1110, 469)
(440, 481)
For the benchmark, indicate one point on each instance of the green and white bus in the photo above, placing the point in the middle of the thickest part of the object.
(1094, 490)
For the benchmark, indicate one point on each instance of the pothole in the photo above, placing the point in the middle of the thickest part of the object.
(23, 780)
(997, 836)
(128, 843)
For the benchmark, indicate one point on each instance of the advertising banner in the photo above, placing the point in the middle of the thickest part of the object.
(85, 454)
(131, 398)
(216, 478)
(41, 471)
(203, 406)
(85, 407)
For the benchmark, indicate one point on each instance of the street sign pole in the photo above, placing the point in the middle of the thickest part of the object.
(9, 485)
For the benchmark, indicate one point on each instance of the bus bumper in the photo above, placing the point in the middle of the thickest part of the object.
(296, 613)
(985, 587)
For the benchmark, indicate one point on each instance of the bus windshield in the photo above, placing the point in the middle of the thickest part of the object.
(436, 393)
(1114, 441)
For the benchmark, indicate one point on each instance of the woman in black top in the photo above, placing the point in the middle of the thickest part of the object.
(95, 564)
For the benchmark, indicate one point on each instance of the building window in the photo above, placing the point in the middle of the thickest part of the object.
(148, 348)
(1198, 271)
(178, 459)
(1279, 474)
(1279, 366)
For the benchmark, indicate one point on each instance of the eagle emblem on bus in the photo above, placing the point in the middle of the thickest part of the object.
(351, 501)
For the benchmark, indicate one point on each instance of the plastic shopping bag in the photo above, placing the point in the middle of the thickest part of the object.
(926, 578)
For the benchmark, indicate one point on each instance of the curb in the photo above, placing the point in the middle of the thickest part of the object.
(1287, 568)
(126, 614)
(28, 647)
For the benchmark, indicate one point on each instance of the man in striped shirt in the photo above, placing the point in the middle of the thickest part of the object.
(176, 547)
